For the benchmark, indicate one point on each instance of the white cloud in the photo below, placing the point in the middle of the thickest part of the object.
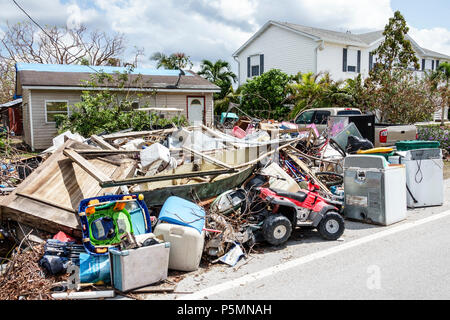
(436, 39)
(213, 29)
(348, 14)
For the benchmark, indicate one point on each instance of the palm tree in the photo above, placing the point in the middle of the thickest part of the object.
(218, 73)
(178, 60)
(161, 58)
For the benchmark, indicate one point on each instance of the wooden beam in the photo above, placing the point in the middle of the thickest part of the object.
(138, 180)
(207, 158)
(306, 169)
(134, 134)
(90, 152)
(46, 202)
(102, 143)
(86, 165)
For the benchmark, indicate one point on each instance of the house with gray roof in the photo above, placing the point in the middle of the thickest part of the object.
(47, 90)
(293, 48)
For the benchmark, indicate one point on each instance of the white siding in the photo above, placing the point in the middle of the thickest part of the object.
(283, 49)
(330, 60)
(45, 132)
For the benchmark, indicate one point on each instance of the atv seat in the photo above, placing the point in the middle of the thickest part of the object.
(299, 195)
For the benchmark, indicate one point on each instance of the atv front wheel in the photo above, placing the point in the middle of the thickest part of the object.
(276, 229)
(332, 226)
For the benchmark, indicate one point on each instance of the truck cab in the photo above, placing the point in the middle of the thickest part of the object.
(319, 117)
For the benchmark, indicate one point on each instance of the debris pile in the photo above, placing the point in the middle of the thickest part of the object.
(24, 279)
(177, 196)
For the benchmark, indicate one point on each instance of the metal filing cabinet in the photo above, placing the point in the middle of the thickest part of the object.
(375, 191)
(424, 176)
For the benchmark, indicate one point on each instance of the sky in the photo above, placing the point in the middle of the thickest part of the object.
(214, 29)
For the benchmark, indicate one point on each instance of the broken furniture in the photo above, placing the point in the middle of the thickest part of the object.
(48, 198)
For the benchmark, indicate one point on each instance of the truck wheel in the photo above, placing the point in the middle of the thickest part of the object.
(276, 229)
(332, 226)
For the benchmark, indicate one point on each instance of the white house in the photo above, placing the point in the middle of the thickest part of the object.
(293, 48)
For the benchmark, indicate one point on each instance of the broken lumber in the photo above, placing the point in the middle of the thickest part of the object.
(102, 143)
(137, 180)
(86, 165)
(308, 171)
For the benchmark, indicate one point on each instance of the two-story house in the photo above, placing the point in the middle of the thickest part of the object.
(293, 48)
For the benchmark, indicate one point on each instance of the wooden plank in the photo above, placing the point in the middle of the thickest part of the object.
(102, 143)
(306, 169)
(88, 152)
(48, 198)
(207, 158)
(52, 203)
(134, 134)
(86, 165)
(164, 177)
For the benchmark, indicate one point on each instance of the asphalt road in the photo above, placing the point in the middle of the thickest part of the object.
(407, 260)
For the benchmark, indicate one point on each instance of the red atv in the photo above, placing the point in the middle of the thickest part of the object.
(300, 209)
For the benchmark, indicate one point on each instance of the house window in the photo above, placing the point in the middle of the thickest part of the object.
(255, 71)
(352, 60)
(255, 65)
(53, 108)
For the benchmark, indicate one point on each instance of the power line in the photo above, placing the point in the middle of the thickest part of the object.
(45, 32)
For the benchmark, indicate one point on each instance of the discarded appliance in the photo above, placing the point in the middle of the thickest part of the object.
(105, 219)
(424, 176)
(375, 191)
(135, 268)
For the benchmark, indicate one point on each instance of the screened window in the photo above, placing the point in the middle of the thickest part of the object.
(196, 101)
(53, 108)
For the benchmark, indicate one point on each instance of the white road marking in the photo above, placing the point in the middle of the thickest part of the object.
(311, 257)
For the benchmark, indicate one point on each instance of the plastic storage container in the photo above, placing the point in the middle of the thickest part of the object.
(135, 268)
(180, 211)
(186, 245)
(424, 176)
(416, 144)
(375, 191)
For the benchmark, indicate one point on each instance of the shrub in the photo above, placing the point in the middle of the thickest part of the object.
(435, 133)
